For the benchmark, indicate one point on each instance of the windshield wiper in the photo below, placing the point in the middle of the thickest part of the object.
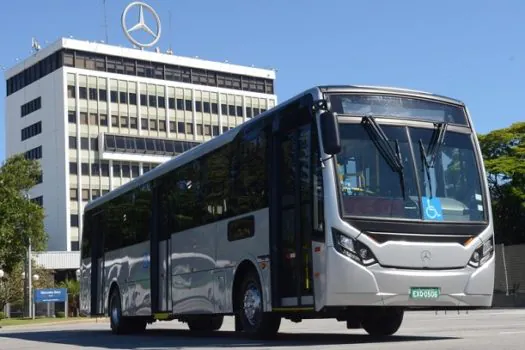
(392, 156)
(437, 140)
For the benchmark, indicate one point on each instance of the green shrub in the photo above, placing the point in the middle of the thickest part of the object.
(2, 315)
(61, 314)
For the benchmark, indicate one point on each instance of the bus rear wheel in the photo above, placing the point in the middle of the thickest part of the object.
(206, 323)
(253, 320)
(383, 322)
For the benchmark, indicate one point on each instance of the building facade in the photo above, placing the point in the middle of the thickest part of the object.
(97, 116)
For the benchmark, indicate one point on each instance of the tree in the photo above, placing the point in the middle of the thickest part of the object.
(12, 285)
(504, 156)
(73, 291)
(20, 220)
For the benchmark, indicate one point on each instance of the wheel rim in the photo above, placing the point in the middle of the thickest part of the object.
(252, 304)
(115, 315)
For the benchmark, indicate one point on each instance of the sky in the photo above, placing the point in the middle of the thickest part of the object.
(472, 50)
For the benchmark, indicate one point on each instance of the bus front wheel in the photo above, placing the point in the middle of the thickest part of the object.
(383, 322)
(120, 324)
(253, 319)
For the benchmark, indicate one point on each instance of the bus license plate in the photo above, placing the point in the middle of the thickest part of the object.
(424, 293)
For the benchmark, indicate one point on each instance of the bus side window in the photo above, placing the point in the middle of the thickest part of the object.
(241, 228)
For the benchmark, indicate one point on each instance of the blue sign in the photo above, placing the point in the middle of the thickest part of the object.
(432, 209)
(50, 295)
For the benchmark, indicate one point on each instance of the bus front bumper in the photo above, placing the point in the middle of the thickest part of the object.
(351, 284)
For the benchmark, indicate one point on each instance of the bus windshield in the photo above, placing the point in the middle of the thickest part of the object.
(407, 172)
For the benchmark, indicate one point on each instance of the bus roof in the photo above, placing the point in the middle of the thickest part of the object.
(388, 89)
(225, 138)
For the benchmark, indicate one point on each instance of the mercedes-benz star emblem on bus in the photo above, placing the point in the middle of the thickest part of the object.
(425, 257)
(141, 24)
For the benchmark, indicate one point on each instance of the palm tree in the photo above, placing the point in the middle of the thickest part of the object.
(73, 291)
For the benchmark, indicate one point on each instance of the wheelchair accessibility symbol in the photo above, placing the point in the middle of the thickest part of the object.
(432, 209)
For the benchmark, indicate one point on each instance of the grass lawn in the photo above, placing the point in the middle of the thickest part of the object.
(29, 321)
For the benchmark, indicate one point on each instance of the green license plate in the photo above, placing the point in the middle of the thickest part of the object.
(424, 293)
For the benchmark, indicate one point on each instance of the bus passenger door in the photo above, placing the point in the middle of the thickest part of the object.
(98, 270)
(160, 253)
(291, 209)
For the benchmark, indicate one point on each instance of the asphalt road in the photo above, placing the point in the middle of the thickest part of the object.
(498, 329)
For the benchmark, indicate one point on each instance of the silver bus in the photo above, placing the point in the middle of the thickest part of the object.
(347, 202)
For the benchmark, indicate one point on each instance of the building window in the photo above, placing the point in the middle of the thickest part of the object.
(95, 194)
(83, 118)
(93, 94)
(72, 142)
(30, 106)
(75, 246)
(31, 130)
(103, 95)
(85, 194)
(84, 143)
(84, 167)
(71, 91)
(35, 153)
(94, 143)
(82, 92)
(73, 168)
(104, 168)
(134, 170)
(95, 169)
(40, 178)
(148, 145)
(103, 120)
(123, 97)
(72, 117)
(73, 194)
(73, 220)
(38, 200)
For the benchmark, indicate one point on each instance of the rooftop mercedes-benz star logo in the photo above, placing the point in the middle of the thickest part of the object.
(141, 25)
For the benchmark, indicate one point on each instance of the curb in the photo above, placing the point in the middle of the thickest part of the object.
(52, 323)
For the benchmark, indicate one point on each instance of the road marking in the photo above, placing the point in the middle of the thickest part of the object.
(514, 332)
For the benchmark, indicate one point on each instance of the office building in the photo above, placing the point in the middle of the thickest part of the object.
(97, 116)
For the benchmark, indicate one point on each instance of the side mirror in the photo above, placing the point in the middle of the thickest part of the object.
(330, 133)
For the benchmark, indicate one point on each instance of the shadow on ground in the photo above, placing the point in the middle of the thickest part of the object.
(181, 338)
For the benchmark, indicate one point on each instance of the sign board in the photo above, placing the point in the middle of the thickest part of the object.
(58, 295)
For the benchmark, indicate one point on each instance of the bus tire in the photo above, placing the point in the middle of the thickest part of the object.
(118, 323)
(206, 323)
(137, 324)
(383, 322)
(254, 321)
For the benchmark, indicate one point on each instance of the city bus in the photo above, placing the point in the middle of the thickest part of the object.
(355, 203)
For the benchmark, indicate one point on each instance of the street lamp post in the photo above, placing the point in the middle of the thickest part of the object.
(28, 282)
(30, 306)
(1, 277)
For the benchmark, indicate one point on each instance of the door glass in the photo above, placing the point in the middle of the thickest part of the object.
(288, 275)
(305, 229)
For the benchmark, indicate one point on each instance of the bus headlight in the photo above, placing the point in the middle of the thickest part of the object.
(482, 254)
(353, 249)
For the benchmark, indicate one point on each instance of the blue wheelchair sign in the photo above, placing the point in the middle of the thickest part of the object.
(432, 209)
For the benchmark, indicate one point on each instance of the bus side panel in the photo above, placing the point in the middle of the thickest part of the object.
(245, 237)
(115, 271)
(138, 281)
(85, 287)
(129, 268)
(192, 267)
